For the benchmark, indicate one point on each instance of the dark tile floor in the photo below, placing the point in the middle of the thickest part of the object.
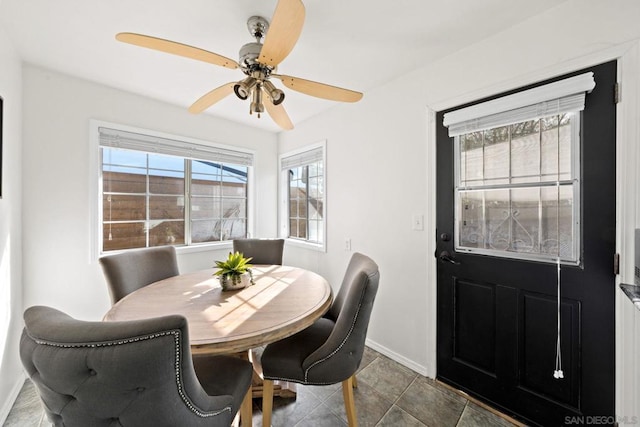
(388, 395)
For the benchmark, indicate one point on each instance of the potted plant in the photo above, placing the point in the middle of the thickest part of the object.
(234, 272)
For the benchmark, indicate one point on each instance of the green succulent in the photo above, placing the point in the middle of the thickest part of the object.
(235, 265)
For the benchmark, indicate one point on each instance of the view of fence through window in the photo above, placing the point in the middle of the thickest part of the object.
(154, 200)
(517, 189)
(306, 198)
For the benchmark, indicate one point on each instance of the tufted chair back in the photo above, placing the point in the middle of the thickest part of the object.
(339, 356)
(330, 350)
(262, 251)
(130, 374)
(128, 271)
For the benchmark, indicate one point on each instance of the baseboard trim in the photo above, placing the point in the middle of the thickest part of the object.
(11, 398)
(422, 370)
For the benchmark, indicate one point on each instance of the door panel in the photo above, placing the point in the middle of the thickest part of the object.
(475, 325)
(539, 344)
(497, 317)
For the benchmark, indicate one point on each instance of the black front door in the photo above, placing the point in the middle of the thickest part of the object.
(497, 317)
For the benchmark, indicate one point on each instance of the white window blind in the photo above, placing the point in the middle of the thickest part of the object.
(543, 101)
(152, 144)
(300, 159)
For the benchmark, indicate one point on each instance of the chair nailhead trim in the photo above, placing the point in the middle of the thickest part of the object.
(355, 318)
(353, 324)
(176, 338)
(306, 372)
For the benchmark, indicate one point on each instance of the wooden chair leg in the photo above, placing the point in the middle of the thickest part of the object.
(355, 381)
(349, 402)
(267, 402)
(246, 409)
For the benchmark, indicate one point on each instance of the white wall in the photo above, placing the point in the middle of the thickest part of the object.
(380, 167)
(376, 181)
(58, 190)
(10, 227)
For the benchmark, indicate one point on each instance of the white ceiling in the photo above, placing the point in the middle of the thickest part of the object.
(355, 44)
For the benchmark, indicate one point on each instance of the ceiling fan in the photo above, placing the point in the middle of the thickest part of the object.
(258, 61)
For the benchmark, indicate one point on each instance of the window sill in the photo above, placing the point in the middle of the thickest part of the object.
(319, 247)
(205, 247)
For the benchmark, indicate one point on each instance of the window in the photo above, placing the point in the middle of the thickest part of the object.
(517, 173)
(159, 191)
(303, 189)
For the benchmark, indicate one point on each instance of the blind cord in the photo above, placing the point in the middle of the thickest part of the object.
(558, 374)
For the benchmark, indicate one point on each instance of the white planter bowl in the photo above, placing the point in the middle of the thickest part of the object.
(232, 283)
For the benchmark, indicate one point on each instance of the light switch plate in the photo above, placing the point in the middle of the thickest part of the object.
(418, 222)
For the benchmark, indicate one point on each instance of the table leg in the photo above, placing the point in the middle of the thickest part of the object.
(280, 388)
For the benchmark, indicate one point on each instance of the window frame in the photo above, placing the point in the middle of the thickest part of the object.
(283, 179)
(95, 178)
(562, 96)
(574, 181)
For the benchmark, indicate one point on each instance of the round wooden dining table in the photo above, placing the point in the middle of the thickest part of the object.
(284, 300)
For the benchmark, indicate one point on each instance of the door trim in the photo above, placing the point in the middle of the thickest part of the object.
(627, 322)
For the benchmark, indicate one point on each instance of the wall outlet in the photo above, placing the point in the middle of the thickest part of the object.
(347, 244)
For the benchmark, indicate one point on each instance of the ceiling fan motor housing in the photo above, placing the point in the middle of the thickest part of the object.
(249, 54)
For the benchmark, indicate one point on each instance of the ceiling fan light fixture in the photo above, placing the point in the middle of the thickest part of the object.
(243, 88)
(256, 101)
(276, 95)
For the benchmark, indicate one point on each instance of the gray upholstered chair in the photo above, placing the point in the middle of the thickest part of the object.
(262, 251)
(131, 374)
(127, 271)
(330, 350)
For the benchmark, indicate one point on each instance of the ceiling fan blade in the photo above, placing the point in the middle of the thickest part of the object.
(176, 48)
(278, 114)
(210, 98)
(284, 30)
(319, 90)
